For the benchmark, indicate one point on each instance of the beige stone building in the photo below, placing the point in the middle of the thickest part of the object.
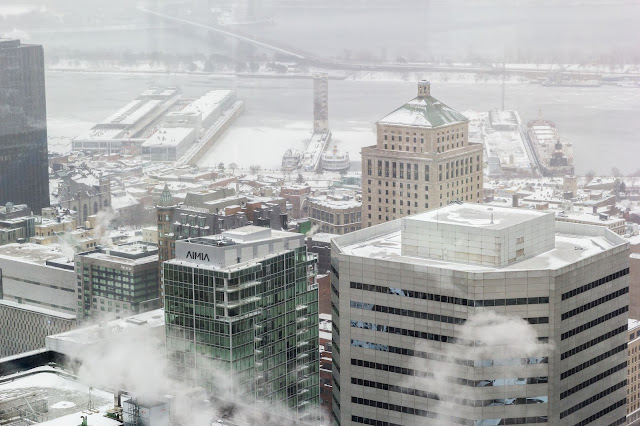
(422, 160)
(335, 216)
(633, 380)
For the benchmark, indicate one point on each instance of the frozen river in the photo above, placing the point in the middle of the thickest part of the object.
(601, 122)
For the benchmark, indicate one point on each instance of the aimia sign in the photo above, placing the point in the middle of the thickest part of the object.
(195, 255)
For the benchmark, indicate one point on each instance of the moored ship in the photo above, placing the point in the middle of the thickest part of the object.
(335, 161)
(554, 157)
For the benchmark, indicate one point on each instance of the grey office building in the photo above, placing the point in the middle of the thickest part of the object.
(24, 172)
(477, 315)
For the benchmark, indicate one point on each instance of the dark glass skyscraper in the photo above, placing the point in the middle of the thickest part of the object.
(24, 176)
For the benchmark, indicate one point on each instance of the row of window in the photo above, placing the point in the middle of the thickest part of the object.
(594, 284)
(594, 322)
(368, 421)
(411, 333)
(593, 418)
(593, 380)
(590, 343)
(425, 315)
(593, 398)
(509, 381)
(443, 358)
(592, 361)
(454, 400)
(594, 303)
(39, 283)
(449, 419)
(449, 299)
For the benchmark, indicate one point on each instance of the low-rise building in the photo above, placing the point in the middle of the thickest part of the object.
(335, 216)
(91, 339)
(117, 281)
(616, 224)
(40, 276)
(168, 143)
(320, 244)
(25, 327)
(296, 195)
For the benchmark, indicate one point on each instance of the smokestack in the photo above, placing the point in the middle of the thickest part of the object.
(424, 89)
(117, 399)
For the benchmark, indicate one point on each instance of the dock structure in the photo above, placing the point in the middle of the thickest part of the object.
(315, 148)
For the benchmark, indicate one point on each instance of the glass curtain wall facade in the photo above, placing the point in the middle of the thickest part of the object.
(24, 170)
(259, 322)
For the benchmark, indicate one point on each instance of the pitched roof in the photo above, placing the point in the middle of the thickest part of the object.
(424, 111)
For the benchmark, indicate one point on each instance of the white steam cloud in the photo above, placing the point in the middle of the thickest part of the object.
(135, 363)
(102, 227)
(492, 339)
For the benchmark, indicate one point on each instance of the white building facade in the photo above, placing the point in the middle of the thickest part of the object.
(479, 315)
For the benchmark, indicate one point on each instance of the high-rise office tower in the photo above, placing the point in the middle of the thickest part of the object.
(245, 303)
(24, 170)
(422, 160)
(477, 315)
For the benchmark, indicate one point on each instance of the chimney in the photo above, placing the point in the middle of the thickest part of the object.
(424, 89)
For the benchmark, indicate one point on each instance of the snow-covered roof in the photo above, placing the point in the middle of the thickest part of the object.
(168, 137)
(124, 201)
(479, 216)
(424, 111)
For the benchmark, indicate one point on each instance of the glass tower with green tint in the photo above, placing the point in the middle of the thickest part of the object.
(242, 308)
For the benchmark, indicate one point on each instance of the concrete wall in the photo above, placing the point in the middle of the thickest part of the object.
(39, 285)
(24, 328)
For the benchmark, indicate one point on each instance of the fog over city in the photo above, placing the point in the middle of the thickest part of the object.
(97, 55)
(298, 212)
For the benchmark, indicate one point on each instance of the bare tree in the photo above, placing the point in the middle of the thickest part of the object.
(233, 167)
(616, 172)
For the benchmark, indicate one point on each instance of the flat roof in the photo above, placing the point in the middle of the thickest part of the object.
(32, 253)
(335, 204)
(207, 103)
(168, 136)
(132, 112)
(99, 332)
(67, 399)
(568, 250)
(478, 216)
(323, 237)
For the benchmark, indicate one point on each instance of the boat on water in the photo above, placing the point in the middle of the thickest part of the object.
(290, 160)
(554, 157)
(335, 161)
